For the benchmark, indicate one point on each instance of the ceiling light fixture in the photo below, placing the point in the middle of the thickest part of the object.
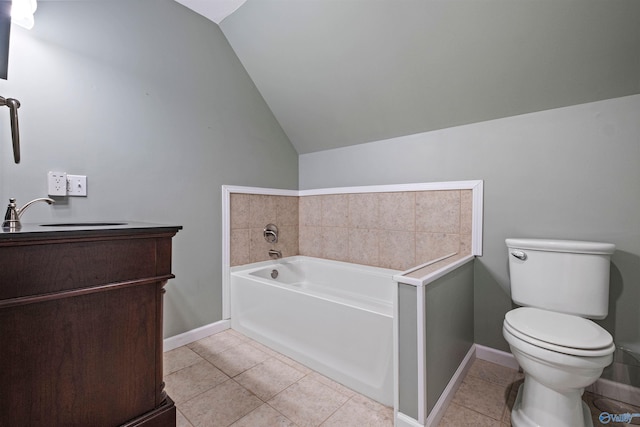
(22, 12)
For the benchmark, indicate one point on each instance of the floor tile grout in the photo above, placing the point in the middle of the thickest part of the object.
(306, 374)
(486, 390)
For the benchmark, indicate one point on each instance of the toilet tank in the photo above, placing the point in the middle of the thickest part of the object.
(561, 275)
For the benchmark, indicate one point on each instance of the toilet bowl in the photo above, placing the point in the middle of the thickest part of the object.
(560, 354)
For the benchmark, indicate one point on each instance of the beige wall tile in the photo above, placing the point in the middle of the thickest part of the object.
(397, 211)
(438, 211)
(335, 210)
(239, 210)
(363, 246)
(335, 243)
(288, 241)
(286, 211)
(363, 210)
(397, 249)
(310, 241)
(262, 210)
(393, 230)
(310, 211)
(240, 247)
(434, 245)
(466, 211)
(465, 244)
(259, 249)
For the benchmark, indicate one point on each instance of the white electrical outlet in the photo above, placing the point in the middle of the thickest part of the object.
(57, 183)
(77, 185)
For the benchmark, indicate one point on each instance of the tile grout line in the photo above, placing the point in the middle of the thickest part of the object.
(270, 356)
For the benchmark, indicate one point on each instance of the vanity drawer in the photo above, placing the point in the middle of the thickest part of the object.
(53, 267)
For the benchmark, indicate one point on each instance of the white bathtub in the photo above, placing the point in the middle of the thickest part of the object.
(334, 317)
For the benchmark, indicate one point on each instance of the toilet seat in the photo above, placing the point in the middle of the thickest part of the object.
(559, 332)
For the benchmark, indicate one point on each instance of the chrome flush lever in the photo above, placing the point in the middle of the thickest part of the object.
(13, 105)
(521, 255)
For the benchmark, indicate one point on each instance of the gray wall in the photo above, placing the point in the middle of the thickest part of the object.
(148, 100)
(449, 328)
(338, 73)
(448, 331)
(566, 173)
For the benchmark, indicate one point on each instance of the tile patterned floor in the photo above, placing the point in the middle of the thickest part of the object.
(229, 380)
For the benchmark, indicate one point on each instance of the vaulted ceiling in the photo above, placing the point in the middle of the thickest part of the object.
(343, 72)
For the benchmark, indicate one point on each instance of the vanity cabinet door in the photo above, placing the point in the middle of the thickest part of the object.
(87, 360)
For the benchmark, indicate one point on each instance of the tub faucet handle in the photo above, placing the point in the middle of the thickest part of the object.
(270, 233)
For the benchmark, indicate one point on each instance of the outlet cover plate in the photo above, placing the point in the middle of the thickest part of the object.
(77, 185)
(57, 183)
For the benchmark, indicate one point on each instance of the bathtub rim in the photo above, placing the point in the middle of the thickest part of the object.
(245, 271)
(248, 268)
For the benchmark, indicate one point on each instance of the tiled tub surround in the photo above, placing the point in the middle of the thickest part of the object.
(249, 214)
(389, 230)
(395, 230)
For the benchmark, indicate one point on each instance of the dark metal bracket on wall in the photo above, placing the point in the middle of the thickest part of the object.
(13, 105)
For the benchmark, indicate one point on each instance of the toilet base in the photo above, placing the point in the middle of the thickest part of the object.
(520, 419)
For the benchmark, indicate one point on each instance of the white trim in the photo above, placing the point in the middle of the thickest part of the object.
(396, 349)
(260, 190)
(422, 350)
(426, 264)
(604, 387)
(433, 276)
(496, 356)
(476, 220)
(392, 188)
(438, 410)
(195, 334)
(226, 251)
(618, 391)
(403, 420)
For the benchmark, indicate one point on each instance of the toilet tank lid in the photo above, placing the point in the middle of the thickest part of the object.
(553, 245)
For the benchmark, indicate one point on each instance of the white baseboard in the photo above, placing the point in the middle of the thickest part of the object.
(195, 334)
(438, 410)
(498, 357)
(616, 391)
(403, 420)
(607, 388)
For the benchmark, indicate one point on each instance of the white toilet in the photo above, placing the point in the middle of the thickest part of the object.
(559, 283)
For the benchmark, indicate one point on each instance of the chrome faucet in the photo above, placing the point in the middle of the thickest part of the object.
(12, 217)
(275, 254)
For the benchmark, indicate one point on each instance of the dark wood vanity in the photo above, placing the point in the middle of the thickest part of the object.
(81, 326)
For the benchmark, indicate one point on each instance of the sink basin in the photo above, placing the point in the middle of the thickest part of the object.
(83, 224)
